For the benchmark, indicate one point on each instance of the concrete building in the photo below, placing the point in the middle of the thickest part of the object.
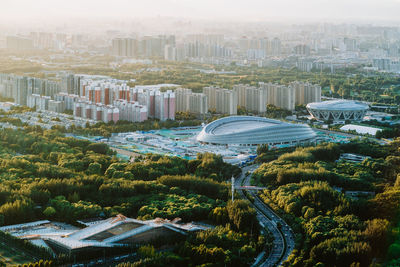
(187, 101)
(38, 102)
(124, 47)
(67, 99)
(18, 43)
(131, 111)
(280, 96)
(164, 105)
(221, 100)
(306, 92)
(56, 106)
(253, 99)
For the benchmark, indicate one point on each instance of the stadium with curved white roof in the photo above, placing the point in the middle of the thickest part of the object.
(338, 110)
(252, 131)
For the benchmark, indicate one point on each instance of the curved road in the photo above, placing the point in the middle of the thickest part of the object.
(283, 243)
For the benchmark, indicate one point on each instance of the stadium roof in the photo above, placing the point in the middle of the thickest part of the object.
(251, 130)
(106, 233)
(338, 105)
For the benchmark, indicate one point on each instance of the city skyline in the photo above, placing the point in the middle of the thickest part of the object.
(252, 10)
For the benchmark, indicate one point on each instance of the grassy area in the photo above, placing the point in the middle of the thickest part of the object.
(12, 256)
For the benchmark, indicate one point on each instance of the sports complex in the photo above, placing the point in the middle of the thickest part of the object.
(338, 110)
(184, 141)
(253, 131)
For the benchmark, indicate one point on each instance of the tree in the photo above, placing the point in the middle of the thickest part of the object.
(49, 212)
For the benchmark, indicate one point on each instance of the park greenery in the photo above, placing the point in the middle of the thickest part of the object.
(45, 175)
(343, 213)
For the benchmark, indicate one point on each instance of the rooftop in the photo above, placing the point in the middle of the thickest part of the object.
(338, 105)
(106, 233)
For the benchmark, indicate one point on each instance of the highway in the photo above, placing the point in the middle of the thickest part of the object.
(283, 243)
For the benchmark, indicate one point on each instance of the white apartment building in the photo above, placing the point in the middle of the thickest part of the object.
(221, 100)
(187, 101)
(306, 92)
(252, 98)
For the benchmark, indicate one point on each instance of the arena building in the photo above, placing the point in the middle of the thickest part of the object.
(253, 131)
(338, 110)
(115, 232)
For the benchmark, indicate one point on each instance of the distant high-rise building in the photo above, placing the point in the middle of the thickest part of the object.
(124, 47)
(56, 106)
(131, 111)
(302, 50)
(221, 100)
(165, 105)
(253, 99)
(306, 92)
(275, 47)
(280, 96)
(18, 43)
(187, 101)
(170, 53)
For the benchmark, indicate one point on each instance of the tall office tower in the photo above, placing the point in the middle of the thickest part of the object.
(306, 92)
(187, 101)
(221, 100)
(165, 105)
(18, 43)
(279, 95)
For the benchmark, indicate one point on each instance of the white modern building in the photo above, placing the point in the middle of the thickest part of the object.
(338, 110)
(252, 131)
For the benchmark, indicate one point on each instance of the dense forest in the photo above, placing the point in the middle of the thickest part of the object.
(343, 213)
(45, 175)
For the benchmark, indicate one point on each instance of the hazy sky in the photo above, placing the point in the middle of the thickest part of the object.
(310, 10)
